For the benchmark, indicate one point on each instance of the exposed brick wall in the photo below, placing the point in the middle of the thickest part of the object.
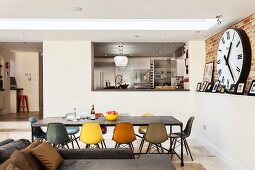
(247, 24)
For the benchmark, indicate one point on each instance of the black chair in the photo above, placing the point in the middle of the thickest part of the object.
(176, 137)
(38, 133)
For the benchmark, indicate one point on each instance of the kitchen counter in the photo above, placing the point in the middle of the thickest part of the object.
(134, 89)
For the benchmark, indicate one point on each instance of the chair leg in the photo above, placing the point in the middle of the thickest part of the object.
(67, 146)
(162, 150)
(175, 139)
(103, 144)
(157, 148)
(75, 139)
(171, 145)
(116, 145)
(188, 149)
(148, 148)
(97, 145)
(72, 143)
(141, 144)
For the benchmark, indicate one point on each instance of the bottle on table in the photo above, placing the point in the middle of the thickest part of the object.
(93, 113)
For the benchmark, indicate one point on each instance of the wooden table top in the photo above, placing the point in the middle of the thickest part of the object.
(135, 120)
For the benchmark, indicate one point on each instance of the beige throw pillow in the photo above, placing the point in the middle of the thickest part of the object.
(48, 156)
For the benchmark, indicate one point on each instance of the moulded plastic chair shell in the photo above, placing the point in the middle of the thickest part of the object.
(71, 130)
(156, 133)
(91, 133)
(124, 133)
(37, 131)
(57, 134)
(142, 129)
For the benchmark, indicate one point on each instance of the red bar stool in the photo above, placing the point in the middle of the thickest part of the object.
(23, 103)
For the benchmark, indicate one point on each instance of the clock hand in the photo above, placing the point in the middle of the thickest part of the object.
(229, 68)
(229, 52)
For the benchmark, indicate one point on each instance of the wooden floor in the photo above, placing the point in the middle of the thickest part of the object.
(21, 116)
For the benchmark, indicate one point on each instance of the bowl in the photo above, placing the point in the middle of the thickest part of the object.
(111, 115)
(124, 86)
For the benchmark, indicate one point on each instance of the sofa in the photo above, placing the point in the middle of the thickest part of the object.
(8, 146)
(90, 159)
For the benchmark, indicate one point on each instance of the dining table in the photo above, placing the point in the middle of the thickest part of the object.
(134, 120)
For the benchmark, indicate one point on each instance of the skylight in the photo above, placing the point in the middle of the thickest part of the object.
(107, 24)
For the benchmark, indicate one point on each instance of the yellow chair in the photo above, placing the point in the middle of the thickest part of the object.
(91, 134)
(124, 134)
(142, 130)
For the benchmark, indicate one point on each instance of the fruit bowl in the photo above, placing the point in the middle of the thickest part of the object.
(111, 115)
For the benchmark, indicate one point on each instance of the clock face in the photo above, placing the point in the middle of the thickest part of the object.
(233, 57)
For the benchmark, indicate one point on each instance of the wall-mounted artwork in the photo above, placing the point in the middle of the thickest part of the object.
(199, 85)
(251, 91)
(208, 72)
(216, 86)
(240, 88)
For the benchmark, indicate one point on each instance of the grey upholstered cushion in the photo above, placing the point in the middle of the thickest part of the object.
(97, 153)
(7, 149)
(4, 142)
(151, 162)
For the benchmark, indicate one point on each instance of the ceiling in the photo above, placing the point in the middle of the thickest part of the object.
(232, 12)
(136, 49)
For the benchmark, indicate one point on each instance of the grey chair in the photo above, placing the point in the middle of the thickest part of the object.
(57, 135)
(155, 135)
(176, 137)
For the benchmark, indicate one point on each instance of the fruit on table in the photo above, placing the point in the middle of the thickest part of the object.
(111, 115)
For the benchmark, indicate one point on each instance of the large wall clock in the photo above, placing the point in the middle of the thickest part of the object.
(233, 57)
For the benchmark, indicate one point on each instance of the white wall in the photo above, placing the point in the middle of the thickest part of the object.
(67, 77)
(26, 64)
(229, 132)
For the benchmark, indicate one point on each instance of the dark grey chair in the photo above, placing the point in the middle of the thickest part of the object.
(175, 137)
(38, 133)
(57, 135)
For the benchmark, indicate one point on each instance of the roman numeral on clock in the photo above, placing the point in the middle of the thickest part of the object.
(238, 69)
(223, 79)
(219, 72)
(228, 35)
(240, 56)
(223, 40)
(218, 62)
(227, 82)
(238, 43)
(233, 36)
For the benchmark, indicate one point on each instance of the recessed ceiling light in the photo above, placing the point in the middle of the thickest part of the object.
(137, 36)
(105, 55)
(77, 9)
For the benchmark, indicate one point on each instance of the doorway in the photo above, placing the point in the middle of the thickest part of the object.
(23, 81)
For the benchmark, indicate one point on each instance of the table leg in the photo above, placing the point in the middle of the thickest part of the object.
(182, 162)
(171, 140)
(32, 134)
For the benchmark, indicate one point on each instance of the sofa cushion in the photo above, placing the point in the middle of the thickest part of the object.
(97, 153)
(33, 162)
(6, 163)
(9, 148)
(20, 160)
(4, 142)
(48, 156)
(11, 166)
